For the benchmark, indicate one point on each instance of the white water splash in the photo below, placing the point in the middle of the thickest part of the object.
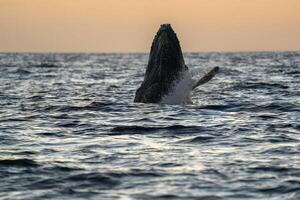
(180, 93)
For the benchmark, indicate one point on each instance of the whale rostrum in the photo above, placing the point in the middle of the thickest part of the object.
(165, 68)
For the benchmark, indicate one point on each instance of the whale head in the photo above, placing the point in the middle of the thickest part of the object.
(165, 55)
(165, 65)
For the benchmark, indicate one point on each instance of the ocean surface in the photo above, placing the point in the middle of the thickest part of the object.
(69, 129)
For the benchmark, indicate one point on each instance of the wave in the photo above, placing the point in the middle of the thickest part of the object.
(94, 106)
(282, 138)
(101, 180)
(220, 107)
(47, 65)
(279, 106)
(282, 150)
(21, 162)
(250, 107)
(21, 71)
(78, 181)
(198, 139)
(150, 129)
(258, 85)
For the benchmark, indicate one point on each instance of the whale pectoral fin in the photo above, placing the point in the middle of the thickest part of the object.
(207, 77)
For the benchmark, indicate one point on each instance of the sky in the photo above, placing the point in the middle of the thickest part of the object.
(130, 25)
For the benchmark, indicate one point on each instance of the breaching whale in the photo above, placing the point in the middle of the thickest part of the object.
(166, 69)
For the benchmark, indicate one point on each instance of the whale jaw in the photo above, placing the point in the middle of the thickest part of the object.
(165, 66)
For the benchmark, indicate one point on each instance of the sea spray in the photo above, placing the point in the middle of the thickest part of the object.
(180, 93)
(182, 88)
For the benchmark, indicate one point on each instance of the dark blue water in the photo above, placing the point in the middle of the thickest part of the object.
(69, 129)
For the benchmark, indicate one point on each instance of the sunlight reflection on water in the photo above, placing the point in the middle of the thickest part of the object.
(69, 129)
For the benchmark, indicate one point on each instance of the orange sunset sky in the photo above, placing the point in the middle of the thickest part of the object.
(130, 25)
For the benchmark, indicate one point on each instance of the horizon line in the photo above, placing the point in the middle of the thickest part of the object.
(141, 52)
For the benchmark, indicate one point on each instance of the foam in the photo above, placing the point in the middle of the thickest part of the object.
(180, 92)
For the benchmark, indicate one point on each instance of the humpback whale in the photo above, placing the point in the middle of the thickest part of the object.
(166, 71)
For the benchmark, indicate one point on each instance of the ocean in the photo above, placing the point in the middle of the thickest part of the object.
(69, 129)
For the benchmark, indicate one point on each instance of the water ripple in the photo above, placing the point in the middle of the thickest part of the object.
(69, 129)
